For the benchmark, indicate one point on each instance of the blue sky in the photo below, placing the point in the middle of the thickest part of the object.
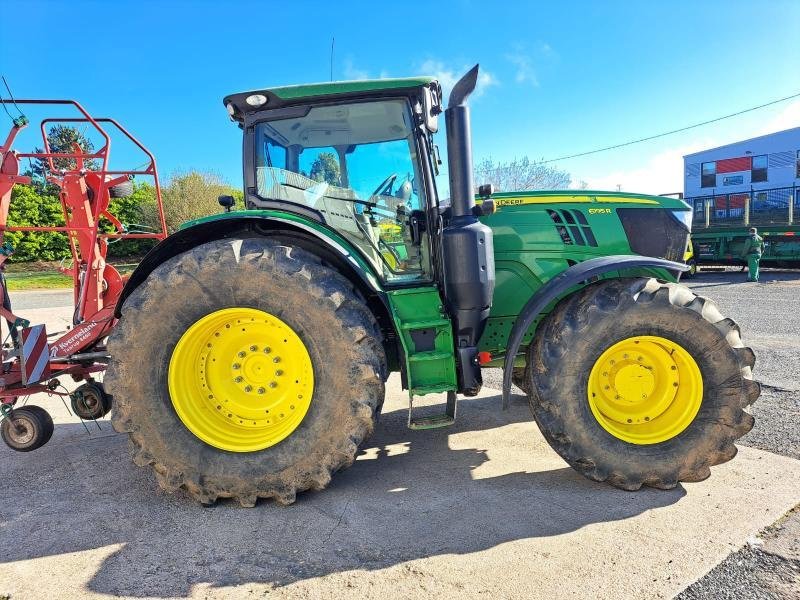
(558, 77)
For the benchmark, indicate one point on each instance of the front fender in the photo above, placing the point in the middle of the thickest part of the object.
(556, 288)
(260, 222)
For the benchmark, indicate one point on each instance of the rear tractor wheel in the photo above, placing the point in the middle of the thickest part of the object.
(245, 369)
(638, 382)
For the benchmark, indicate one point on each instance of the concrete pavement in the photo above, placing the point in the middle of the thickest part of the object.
(483, 509)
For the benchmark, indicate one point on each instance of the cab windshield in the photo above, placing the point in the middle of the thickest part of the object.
(356, 164)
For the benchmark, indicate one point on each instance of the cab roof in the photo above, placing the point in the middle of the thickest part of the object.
(290, 95)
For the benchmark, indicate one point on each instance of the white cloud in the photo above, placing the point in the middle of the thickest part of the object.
(661, 174)
(524, 68)
(788, 118)
(448, 76)
(352, 72)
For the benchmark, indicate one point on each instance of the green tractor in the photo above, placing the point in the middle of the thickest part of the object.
(253, 346)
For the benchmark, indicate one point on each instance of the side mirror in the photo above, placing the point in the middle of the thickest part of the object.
(432, 107)
(226, 202)
(485, 190)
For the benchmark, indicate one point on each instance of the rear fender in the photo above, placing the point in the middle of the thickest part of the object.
(313, 236)
(558, 286)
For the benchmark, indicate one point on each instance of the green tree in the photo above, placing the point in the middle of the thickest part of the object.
(520, 174)
(62, 140)
(326, 168)
(131, 212)
(189, 196)
(31, 208)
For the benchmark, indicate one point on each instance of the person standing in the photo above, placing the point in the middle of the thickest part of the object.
(753, 249)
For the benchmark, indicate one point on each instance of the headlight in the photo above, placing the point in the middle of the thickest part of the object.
(684, 216)
(256, 100)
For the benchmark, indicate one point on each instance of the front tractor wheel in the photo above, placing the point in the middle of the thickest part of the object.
(637, 382)
(245, 369)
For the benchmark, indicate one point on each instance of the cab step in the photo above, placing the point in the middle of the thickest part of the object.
(433, 421)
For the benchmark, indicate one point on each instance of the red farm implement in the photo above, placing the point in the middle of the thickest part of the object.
(32, 360)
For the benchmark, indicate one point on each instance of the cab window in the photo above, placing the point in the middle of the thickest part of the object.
(357, 165)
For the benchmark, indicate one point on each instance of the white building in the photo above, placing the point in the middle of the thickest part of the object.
(765, 170)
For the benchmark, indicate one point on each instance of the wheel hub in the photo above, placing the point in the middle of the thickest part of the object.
(241, 379)
(21, 431)
(645, 389)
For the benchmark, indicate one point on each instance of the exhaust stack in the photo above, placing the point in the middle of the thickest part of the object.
(468, 253)
(459, 145)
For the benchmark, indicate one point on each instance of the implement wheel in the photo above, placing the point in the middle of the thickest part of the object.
(90, 401)
(245, 369)
(27, 428)
(638, 382)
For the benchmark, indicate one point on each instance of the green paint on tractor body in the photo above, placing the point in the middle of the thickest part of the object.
(530, 248)
(537, 235)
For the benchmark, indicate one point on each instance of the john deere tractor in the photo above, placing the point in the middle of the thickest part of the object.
(253, 345)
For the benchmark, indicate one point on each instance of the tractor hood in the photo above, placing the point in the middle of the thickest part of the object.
(587, 222)
(587, 196)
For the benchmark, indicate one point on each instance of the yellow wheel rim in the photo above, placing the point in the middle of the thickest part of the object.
(645, 389)
(240, 379)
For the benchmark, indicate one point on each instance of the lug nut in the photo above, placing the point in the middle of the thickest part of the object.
(261, 390)
(237, 366)
(273, 384)
(242, 354)
(238, 379)
(267, 350)
(248, 388)
(253, 348)
(277, 359)
(278, 373)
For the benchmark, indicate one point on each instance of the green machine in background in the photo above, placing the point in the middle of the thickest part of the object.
(721, 225)
(253, 346)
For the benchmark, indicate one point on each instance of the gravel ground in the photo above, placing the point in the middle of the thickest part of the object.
(768, 313)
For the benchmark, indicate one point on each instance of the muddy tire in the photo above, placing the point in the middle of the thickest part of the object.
(121, 190)
(339, 332)
(521, 378)
(27, 428)
(582, 327)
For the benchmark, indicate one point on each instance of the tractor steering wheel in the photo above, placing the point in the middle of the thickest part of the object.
(385, 186)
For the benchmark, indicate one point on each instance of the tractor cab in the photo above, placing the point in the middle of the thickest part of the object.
(358, 157)
(352, 155)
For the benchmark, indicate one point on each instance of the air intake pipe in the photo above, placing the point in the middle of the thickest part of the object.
(468, 253)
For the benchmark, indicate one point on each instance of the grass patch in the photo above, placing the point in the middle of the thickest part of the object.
(19, 281)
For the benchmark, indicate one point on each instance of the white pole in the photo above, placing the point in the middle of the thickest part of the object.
(747, 211)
